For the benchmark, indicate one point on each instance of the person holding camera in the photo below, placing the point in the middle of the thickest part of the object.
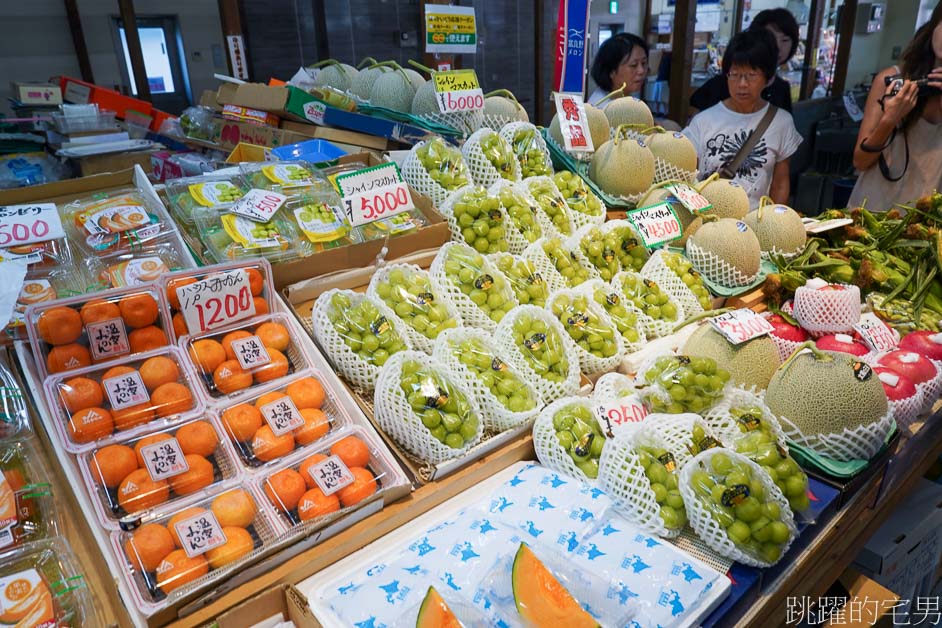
(899, 146)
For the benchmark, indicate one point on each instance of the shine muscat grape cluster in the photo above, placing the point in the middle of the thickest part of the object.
(531, 157)
(583, 325)
(364, 329)
(495, 374)
(522, 214)
(541, 347)
(499, 153)
(552, 204)
(630, 253)
(409, 294)
(580, 435)
(444, 164)
(577, 193)
(490, 293)
(527, 283)
(625, 320)
(689, 384)
(481, 221)
(691, 278)
(442, 408)
(659, 469)
(648, 297)
(565, 262)
(599, 248)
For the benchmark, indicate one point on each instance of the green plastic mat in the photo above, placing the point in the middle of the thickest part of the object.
(835, 468)
(563, 161)
(408, 118)
(765, 269)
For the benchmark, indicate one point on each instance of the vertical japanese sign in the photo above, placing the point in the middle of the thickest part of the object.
(450, 29)
(240, 69)
(572, 24)
(573, 125)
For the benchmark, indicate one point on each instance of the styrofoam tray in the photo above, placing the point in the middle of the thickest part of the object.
(608, 544)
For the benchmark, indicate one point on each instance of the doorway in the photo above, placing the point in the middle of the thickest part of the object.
(164, 61)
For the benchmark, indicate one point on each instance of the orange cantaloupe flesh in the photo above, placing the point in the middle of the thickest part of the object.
(540, 598)
(434, 612)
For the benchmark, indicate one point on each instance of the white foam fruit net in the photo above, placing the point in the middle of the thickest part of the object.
(663, 169)
(483, 150)
(717, 269)
(459, 275)
(497, 386)
(395, 414)
(931, 389)
(860, 443)
(591, 325)
(631, 285)
(676, 432)
(585, 208)
(526, 224)
(622, 475)
(407, 291)
(827, 311)
(723, 420)
(610, 247)
(527, 143)
(552, 204)
(702, 519)
(451, 169)
(563, 267)
(495, 121)
(476, 218)
(612, 386)
(466, 122)
(341, 335)
(535, 343)
(623, 313)
(549, 451)
(785, 347)
(528, 284)
(658, 271)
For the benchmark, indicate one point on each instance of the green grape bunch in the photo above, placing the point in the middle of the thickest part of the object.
(480, 219)
(625, 319)
(364, 329)
(685, 384)
(499, 154)
(565, 262)
(490, 292)
(318, 212)
(551, 203)
(629, 251)
(660, 470)
(527, 283)
(226, 192)
(495, 374)
(542, 348)
(580, 435)
(683, 268)
(521, 212)
(409, 294)
(601, 249)
(648, 298)
(583, 325)
(530, 155)
(444, 164)
(443, 409)
(577, 194)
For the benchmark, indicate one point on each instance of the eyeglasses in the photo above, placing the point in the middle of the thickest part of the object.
(749, 77)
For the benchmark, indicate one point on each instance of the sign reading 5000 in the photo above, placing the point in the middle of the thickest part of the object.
(450, 29)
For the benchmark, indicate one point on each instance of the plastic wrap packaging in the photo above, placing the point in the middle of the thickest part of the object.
(189, 194)
(599, 345)
(529, 147)
(26, 496)
(407, 291)
(527, 283)
(525, 224)
(424, 409)
(568, 438)
(435, 168)
(612, 386)
(41, 257)
(477, 219)
(736, 509)
(827, 309)
(675, 275)
(116, 222)
(318, 215)
(14, 414)
(683, 435)
(640, 475)
(279, 176)
(676, 383)
(357, 333)
(445, 601)
(551, 203)
(490, 158)
(229, 237)
(198, 123)
(585, 208)
(658, 312)
(471, 284)
(534, 342)
(397, 225)
(45, 286)
(134, 268)
(599, 249)
(560, 266)
(505, 398)
(623, 313)
(630, 252)
(716, 269)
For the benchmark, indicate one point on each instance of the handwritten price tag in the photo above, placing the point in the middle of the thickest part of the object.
(689, 198)
(216, 301)
(656, 224)
(366, 207)
(741, 325)
(282, 416)
(573, 124)
(458, 90)
(620, 412)
(250, 352)
(198, 535)
(26, 224)
(331, 475)
(875, 333)
(259, 205)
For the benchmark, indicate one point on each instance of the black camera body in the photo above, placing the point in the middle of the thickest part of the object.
(895, 83)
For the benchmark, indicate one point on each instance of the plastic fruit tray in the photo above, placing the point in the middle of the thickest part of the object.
(27, 507)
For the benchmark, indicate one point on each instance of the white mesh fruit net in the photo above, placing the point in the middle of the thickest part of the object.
(827, 310)
(408, 287)
(585, 208)
(726, 417)
(326, 317)
(467, 122)
(785, 346)
(705, 524)
(396, 417)
(416, 174)
(530, 351)
(716, 269)
(622, 475)
(495, 121)
(523, 149)
(612, 386)
(907, 411)
(932, 388)
(584, 324)
(653, 327)
(481, 160)
(528, 284)
(497, 416)
(524, 225)
(663, 169)
(499, 236)
(860, 443)
(548, 449)
(657, 270)
(456, 261)
(535, 255)
(560, 261)
(624, 315)
(676, 432)
(552, 204)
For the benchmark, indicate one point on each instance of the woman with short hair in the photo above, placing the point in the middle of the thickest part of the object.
(621, 61)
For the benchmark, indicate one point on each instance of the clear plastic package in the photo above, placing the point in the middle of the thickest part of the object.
(133, 268)
(40, 287)
(620, 310)
(472, 285)
(525, 223)
(490, 157)
(477, 219)
(585, 208)
(568, 438)
(658, 311)
(676, 384)
(116, 222)
(524, 278)
(529, 147)
(436, 169)
(599, 344)
(280, 176)
(14, 415)
(41, 256)
(27, 506)
(191, 193)
(319, 216)
(230, 237)
(552, 203)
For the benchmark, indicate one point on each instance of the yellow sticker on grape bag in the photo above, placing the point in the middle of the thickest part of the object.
(216, 301)
(248, 232)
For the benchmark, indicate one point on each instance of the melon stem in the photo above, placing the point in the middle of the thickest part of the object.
(701, 316)
(710, 179)
(612, 93)
(818, 354)
(419, 66)
(653, 129)
(395, 66)
(367, 60)
(618, 131)
(503, 92)
(763, 202)
(323, 63)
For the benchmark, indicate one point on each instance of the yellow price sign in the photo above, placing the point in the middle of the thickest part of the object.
(456, 80)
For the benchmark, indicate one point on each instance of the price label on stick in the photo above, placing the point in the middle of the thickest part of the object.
(26, 224)
(689, 198)
(876, 334)
(741, 325)
(656, 224)
(620, 412)
(573, 124)
(216, 301)
(366, 207)
(458, 90)
(259, 205)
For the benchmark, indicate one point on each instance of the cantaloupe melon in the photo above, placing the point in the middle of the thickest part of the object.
(729, 199)
(730, 240)
(628, 110)
(598, 127)
(424, 102)
(502, 104)
(540, 598)
(415, 78)
(750, 364)
(434, 612)
(658, 193)
(362, 83)
(622, 167)
(778, 227)
(337, 75)
(393, 90)
(675, 149)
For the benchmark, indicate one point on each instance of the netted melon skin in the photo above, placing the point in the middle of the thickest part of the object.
(750, 364)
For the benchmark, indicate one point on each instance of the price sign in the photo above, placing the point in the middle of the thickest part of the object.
(689, 198)
(216, 301)
(620, 412)
(573, 124)
(259, 205)
(26, 224)
(367, 207)
(125, 390)
(331, 475)
(656, 224)
(198, 534)
(741, 325)
(164, 459)
(458, 90)
(250, 352)
(282, 416)
(876, 334)
(108, 339)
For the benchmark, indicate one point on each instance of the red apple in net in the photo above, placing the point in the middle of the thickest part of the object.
(917, 368)
(781, 328)
(925, 343)
(897, 387)
(842, 343)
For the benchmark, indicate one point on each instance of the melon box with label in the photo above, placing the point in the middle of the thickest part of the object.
(99, 405)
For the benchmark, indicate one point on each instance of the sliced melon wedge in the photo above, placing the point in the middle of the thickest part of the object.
(434, 612)
(540, 598)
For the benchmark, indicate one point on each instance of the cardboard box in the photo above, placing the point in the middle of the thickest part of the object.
(80, 92)
(230, 133)
(868, 604)
(252, 116)
(248, 152)
(208, 99)
(97, 164)
(36, 93)
(286, 600)
(282, 101)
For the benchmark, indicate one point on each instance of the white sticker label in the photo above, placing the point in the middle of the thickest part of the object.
(125, 390)
(876, 334)
(573, 124)
(198, 534)
(250, 352)
(315, 111)
(26, 224)
(369, 179)
(331, 475)
(259, 205)
(117, 220)
(741, 325)
(689, 198)
(458, 90)
(164, 459)
(617, 413)
(217, 301)
(108, 339)
(366, 207)
(282, 416)
(656, 224)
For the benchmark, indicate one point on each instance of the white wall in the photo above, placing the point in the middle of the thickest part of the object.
(871, 53)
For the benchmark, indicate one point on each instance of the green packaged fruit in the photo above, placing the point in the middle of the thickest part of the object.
(499, 155)
(660, 470)
(229, 236)
(527, 283)
(467, 271)
(189, 194)
(584, 325)
(578, 195)
(677, 384)
(565, 262)
(442, 407)
(364, 329)
(660, 312)
(552, 203)
(683, 268)
(279, 175)
(580, 436)
(444, 164)
(407, 291)
(529, 148)
(600, 248)
(501, 381)
(475, 217)
(542, 348)
(629, 251)
(521, 212)
(620, 311)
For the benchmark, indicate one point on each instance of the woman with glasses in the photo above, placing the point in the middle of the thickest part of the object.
(784, 28)
(722, 132)
(621, 60)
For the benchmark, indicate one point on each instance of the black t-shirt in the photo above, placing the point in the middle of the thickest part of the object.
(779, 93)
